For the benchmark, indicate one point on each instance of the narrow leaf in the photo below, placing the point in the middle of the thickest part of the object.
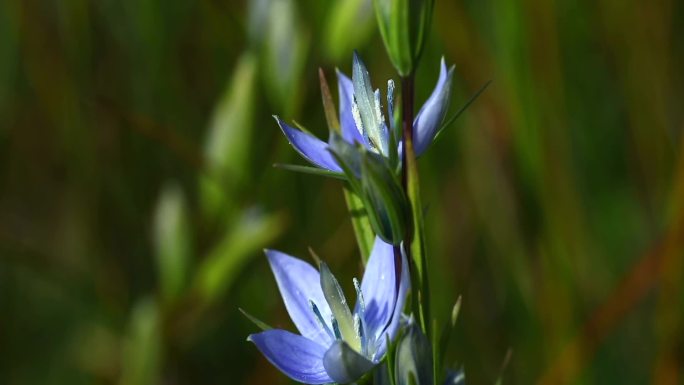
(259, 323)
(173, 242)
(310, 170)
(458, 113)
(455, 311)
(142, 349)
(504, 365)
(328, 105)
(446, 332)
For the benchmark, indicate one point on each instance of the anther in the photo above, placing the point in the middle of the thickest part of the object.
(336, 328)
(319, 318)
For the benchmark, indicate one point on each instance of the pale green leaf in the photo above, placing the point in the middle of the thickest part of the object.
(229, 137)
(142, 348)
(172, 240)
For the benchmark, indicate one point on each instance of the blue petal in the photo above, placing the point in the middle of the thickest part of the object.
(350, 132)
(344, 364)
(310, 147)
(431, 115)
(393, 327)
(299, 283)
(299, 358)
(379, 288)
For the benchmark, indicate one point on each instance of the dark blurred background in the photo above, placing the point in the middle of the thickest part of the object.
(136, 152)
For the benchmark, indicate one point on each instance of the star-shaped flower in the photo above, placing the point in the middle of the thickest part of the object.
(362, 120)
(335, 344)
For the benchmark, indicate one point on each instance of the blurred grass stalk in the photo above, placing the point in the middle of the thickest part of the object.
(173, 242)
(228, 142)
(142, 352)
(284, 50)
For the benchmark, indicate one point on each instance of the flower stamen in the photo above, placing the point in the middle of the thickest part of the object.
(319, 318)
(336, 328)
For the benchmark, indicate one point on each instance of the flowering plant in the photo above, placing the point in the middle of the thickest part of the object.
(375, 157)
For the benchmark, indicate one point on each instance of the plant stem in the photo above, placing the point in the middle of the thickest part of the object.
(414, 239)
(407, 91)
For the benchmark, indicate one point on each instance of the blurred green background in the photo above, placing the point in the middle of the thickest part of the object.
(136, 144)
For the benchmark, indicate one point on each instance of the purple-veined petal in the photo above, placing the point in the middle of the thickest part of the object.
(350, 132)
(379, 288)
(299, 283)
(310, 147)
(344, 365)
(431, 115)
(393, 326)
(299, 358)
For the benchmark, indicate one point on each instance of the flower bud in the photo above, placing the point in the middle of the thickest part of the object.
(374, 182)
(404, 25)
(384, 199)
(414, 358)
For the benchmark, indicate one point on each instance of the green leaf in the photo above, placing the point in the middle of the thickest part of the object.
(310, 170)
(458, 113)
(455, 311)
(172, 242)
(241, 242)
(365, 237)
(229, 140)
(328, 104)
(259, 323)
(284, 54)
(142, 349)
(400, 37)
(442, 343)
(504, 365)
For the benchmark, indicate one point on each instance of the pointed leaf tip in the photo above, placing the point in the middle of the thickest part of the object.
(455, 311)
(259, 323)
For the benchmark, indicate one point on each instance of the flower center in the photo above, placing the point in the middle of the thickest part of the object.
(354, 332)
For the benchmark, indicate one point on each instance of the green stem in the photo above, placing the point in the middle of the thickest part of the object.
(415, 239)
(407, 91)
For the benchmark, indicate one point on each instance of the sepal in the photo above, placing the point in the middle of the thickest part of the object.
(414, 358)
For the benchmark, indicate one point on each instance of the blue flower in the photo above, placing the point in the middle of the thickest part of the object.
(362, 120)
(335, 344)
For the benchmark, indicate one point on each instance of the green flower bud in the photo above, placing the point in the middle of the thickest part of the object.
(414, 358)
(404, 25)
(374, 182)
(384, 199)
